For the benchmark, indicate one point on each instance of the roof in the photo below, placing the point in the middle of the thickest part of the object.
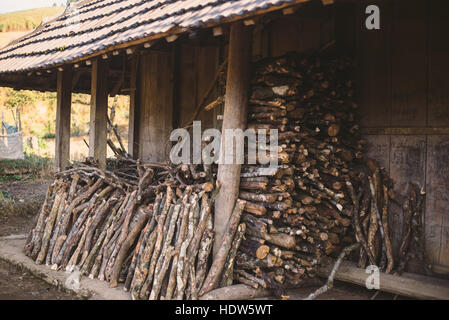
(90, 27)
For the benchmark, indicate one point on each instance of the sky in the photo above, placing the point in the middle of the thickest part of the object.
(16, 5)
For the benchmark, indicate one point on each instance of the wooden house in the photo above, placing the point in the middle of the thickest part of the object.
(165, 55)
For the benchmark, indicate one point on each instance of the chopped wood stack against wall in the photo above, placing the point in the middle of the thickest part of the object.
(298, 213)
(322, 193)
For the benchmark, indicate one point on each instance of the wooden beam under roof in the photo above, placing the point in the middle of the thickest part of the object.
(63, 112)
(99, 112)
(234, 117)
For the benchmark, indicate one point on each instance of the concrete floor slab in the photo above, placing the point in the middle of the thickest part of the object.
(11, 250)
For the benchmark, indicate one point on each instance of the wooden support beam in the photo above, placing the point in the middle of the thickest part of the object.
(288, 11)
(408, 284)
(134, 110)
(171, 38)
(249, 22)
(405, 130)
(99, 112)
(236, 292)
(63, 110)
(217, 31)
(235, 117)
(327, 2)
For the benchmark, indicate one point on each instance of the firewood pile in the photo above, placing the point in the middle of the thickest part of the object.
(148, 226)
(322, 193)
(299, 212)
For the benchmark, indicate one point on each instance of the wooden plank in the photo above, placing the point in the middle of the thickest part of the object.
(378, 148)
(99, 112)
(261, 39)
(405, 131)
(156, 96)
(134, 110)
(438, 63)
(437, 201)
(346, 26)
(374, 73)
(292, 33)
(206, 66)
(410, 285)
(187, 84)
(236, 292)
(409, 58)
(407, 164)
(234, 117)
(63, 112)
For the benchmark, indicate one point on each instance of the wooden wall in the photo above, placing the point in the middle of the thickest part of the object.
(198, 65)
(404, 98)
(310, 28)
(156, 93)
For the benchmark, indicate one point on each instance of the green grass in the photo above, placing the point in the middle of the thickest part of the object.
(29, 168)
(27, 19)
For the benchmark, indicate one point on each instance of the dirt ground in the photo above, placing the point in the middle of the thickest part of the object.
(20, 206)
(17, 216)
(17, 284)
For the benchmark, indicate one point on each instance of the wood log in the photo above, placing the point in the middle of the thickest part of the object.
(236, 292)
(74, 259)
(166, 254)
(228, 269)
(180, 284)
(269, 198)
(194, 246)
(32, 247)
(235, 117)
(162, 229)
(255, 208)
(49, 227)
(254, 248)
(103, 235)
(387, 232)
(180, 237)
(52, 243)
(131, 237)
(214, 274)
(123, 235)
(203, 256)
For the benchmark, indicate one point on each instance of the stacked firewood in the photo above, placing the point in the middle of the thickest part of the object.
(298, 212)
(148, 226)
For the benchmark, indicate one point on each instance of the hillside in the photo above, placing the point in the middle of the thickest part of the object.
(7, 37)
(27, 19)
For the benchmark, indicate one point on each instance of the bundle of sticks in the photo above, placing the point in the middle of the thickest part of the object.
(148, 226)
(299, 212)
(412, 244)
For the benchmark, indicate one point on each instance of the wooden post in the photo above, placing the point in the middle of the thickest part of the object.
(99, 112)
(134, 110)
(156, 94)
(63, 111)
(234, 117)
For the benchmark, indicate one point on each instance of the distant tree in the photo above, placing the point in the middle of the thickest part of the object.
(18, 99)
(70, 1)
